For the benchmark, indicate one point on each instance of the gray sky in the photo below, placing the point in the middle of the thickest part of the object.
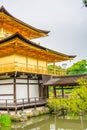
(66, 19)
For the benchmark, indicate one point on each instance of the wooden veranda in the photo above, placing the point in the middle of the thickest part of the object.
(9, 104)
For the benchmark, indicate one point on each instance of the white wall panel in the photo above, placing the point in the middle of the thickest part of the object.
(21, 91)
(21, 80)
(6, 89)
(33, 81)
(6, 81)
(33, 91)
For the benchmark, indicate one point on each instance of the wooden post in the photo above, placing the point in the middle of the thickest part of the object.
(62, 92)
(23, 104)
(15, 106)
(28, 88)
(54, 91)
(15, 110)
(29, 100)
(14, 87)
(6, 103)
(35, 103)
(47, 92)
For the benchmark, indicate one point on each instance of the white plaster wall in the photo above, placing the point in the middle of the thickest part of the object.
(21, 92)
(21, 80)
(33, 81)
(6, 81)
(6, 89)
(33, 92)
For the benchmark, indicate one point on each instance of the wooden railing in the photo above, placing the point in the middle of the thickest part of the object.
(17, 66)
(21, 103)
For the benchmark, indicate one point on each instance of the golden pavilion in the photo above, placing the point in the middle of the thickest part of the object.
(23, 63)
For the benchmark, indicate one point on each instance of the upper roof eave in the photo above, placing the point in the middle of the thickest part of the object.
(17, 35)
(2, 9)
(62, 54)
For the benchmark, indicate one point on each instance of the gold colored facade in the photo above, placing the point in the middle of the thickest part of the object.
(19, 54)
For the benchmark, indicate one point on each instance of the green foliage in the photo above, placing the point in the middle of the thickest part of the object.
(57, 69)
(5, 120)
(56, 105)
(78, 68)
(81, 94)
(76, 104)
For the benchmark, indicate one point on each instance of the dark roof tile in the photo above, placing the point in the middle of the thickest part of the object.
(65, 80)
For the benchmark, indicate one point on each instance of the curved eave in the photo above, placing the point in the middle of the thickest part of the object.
(62, 54)
(17, 35)
(42, 32)
(55, 56)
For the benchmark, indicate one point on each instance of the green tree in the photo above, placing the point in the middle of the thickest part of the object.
(76, 104)
(80, 94)
(85, 2)
(57, 69)
(79, 67)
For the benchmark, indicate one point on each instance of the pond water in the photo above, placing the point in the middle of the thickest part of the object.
(50, 122)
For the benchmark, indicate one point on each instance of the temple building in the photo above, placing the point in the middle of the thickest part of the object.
(24, 63)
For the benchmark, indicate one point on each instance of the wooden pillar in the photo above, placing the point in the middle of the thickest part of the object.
(39, 88)
(28, 88)
(14, 87)
(62, 92)
(47, 92)
(54, 89)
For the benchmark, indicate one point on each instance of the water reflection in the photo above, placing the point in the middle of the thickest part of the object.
(52, 122)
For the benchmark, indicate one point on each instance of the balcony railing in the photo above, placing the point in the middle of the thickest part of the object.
(8, 104)
(21, 67)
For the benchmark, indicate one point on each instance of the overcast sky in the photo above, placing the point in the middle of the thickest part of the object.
(65, 19)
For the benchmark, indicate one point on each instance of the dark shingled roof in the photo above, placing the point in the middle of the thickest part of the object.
(65, 80)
